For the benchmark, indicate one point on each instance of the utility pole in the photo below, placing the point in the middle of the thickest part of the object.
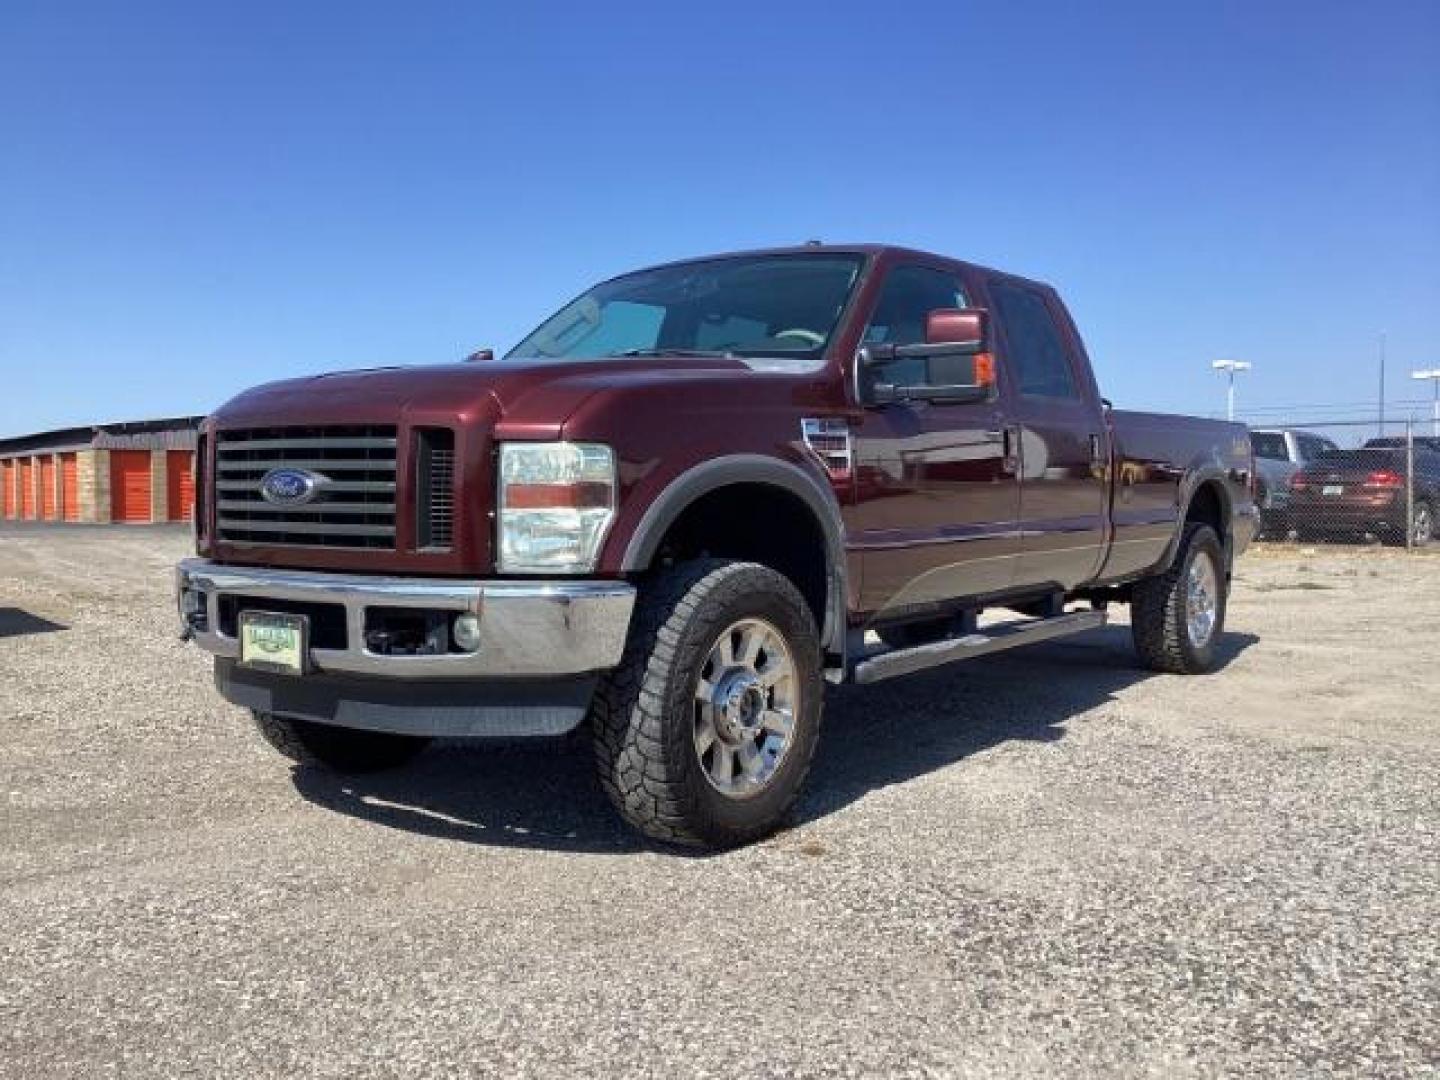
(1433, 374)
(1230, 367)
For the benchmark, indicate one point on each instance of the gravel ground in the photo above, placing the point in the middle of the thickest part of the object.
(1044, 863)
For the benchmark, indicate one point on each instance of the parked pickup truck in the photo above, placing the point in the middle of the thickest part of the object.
(683, 504)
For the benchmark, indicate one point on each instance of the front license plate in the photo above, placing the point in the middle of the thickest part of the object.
(273, 641)
(1333, 489)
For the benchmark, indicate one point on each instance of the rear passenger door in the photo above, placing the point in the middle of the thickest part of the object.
(1064, 439)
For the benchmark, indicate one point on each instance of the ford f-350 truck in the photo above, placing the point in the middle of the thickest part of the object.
(683, 504)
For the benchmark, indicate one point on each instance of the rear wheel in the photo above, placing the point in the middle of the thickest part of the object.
(1422, 525)
(704, 733)
(343, 750)
(1177, 617)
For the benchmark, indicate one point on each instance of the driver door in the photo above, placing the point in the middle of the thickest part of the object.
(937, 498)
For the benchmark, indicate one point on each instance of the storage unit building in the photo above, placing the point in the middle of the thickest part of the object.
(134, 472)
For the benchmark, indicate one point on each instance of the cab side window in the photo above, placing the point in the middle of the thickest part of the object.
(909, 294)
(1036, 348)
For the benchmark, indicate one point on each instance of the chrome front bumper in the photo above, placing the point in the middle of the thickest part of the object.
(527, 628)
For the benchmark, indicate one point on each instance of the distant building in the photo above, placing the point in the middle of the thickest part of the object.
(136, 472)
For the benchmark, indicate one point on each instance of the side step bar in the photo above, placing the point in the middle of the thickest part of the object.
(887, 665)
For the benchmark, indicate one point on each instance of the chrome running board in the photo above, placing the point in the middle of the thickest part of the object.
(888, 664)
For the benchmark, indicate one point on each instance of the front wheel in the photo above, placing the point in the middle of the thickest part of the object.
(340, 749)
(1177, 617)
(705, 731)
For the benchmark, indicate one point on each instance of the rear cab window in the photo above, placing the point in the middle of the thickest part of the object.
(1269, 445)
(1035, 345)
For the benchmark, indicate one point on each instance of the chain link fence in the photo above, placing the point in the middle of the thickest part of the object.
(1351, 482)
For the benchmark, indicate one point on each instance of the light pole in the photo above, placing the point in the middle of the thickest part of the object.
(1230, 367)
(1382, 382)
(1434, 376)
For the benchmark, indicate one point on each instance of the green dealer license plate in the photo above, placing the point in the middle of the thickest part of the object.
(273, 642)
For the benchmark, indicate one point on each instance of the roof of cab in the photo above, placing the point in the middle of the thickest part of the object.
(872, 250)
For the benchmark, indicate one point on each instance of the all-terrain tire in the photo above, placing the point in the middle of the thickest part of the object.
(643, 717)
(1160, 608)
(340, 749)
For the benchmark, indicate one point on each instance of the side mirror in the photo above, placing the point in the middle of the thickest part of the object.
(480, 356)
(954, 362)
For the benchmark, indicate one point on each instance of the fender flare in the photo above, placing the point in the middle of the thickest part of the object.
(1192, 484)
(699, 480)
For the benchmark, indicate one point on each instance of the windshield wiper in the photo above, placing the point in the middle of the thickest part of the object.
(675, 352)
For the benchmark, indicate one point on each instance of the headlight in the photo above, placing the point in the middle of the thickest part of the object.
(556, 503)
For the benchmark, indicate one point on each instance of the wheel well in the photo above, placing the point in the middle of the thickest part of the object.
(757, 523)
(1207, 506)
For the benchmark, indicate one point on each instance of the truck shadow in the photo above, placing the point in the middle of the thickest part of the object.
(16, 622)
(543, 794)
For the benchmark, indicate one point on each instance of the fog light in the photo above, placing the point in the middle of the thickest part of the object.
(467, 632)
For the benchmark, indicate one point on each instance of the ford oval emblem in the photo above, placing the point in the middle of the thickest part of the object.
(289, 487)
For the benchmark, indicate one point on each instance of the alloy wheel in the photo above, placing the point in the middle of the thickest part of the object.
(1422, 526)
(1202, 592)
(746, 701)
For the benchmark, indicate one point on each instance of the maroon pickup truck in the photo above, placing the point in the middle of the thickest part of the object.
(683, 504)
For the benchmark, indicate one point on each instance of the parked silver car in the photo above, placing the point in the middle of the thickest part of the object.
(1279, 454)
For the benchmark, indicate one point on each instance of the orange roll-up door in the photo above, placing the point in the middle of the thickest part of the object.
(179, 485)
(27, 488)
(69, 487)
(7, 493)
(129, 485)
(48, 510)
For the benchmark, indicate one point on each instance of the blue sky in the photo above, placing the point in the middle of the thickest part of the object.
(196, 197)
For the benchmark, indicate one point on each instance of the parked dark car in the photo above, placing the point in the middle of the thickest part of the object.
(1364, 491)
(1422, 442)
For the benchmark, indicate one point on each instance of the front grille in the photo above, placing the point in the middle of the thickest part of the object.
(349, 472)
(435, 488)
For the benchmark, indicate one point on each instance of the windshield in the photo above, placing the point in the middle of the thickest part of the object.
(782, 306)
(1269, 445)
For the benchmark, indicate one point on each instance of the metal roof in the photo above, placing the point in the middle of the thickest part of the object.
(169, 433)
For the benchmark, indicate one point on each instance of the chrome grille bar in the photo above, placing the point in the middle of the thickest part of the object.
(325, 507)
(334, 485)
(369, 443)
(318, 464)
(326, 527)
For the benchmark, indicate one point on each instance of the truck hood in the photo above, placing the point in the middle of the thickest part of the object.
(538, 396)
